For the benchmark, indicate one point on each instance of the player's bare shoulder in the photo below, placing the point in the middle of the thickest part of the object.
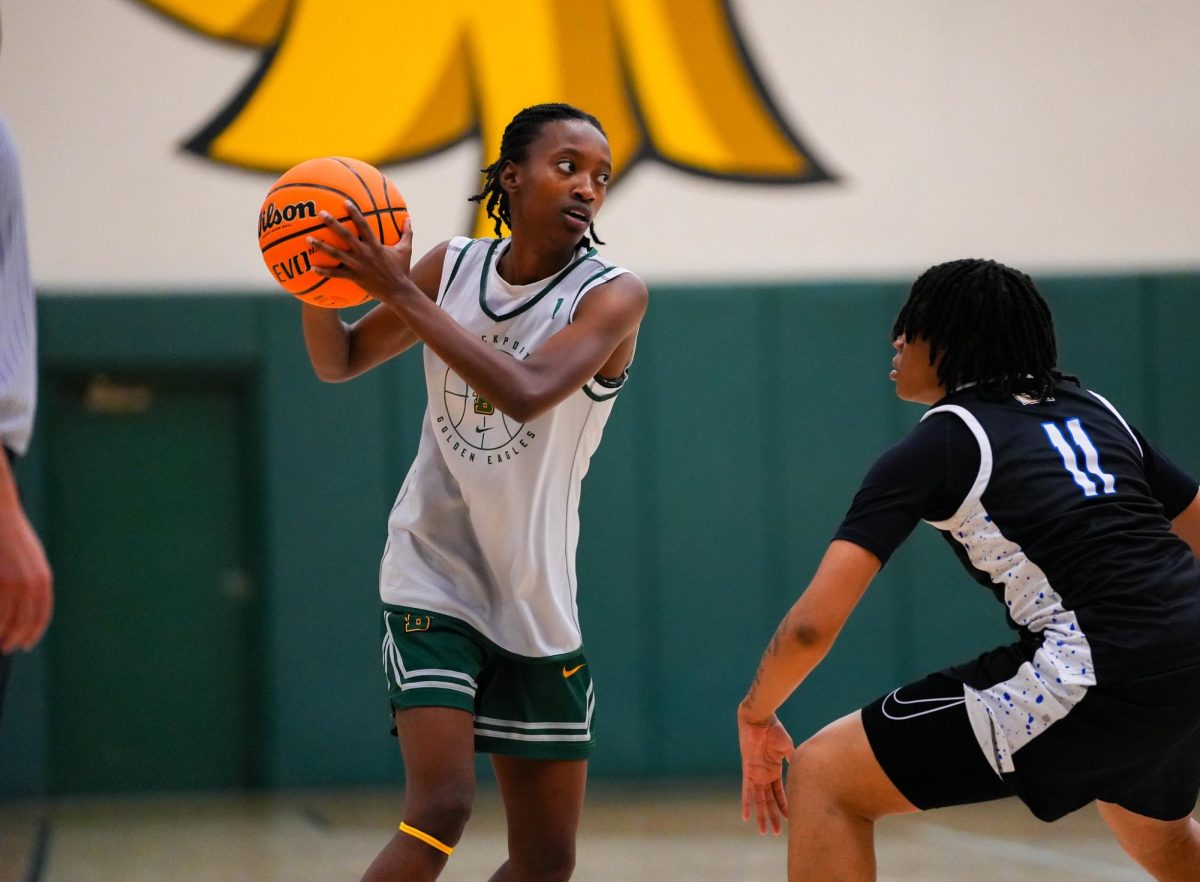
(625, 296)
(631, 286)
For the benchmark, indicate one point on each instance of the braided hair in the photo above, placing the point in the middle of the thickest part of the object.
(521, 132)
(990, 325)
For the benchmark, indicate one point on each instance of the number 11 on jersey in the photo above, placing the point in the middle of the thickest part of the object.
(1091, 458)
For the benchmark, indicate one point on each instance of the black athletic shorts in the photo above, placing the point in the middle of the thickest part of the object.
(922, 738)
(1135, 744)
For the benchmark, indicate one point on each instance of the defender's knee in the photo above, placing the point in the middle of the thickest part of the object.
(821, 775)
(812, 770)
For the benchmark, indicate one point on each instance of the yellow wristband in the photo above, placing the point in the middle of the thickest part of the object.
(426, 838)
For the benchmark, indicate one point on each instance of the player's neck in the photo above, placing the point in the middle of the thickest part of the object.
(524, 262)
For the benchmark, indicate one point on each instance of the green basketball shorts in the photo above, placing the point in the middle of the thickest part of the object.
(533, 708)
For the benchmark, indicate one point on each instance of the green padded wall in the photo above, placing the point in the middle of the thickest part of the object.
(751, 414)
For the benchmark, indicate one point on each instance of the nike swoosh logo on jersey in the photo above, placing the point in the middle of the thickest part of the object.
(896, 708)
(482, 429)
(570, 672)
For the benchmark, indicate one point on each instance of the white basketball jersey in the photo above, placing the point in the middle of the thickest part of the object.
(486, 523)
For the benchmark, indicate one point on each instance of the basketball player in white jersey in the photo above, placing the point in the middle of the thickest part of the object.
(527, 340)
(25, 581)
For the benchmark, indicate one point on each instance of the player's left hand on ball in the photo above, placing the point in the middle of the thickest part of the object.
(378, 269)
(764, 745)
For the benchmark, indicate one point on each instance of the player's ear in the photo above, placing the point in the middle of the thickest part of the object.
(510, 176)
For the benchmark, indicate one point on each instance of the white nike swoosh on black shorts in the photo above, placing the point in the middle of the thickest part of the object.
(896, 708)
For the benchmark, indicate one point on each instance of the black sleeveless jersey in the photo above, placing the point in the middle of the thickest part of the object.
(1063, 511)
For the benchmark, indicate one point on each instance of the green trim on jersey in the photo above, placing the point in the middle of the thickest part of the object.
(615, 385)
(592, 395)
(583, 287)
(457, 264)
(483, 278)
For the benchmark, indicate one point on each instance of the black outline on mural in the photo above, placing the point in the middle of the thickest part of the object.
(816, 171)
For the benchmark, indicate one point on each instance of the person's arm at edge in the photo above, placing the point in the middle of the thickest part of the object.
(26, 584)
(1186, 525)
(801, 641)
(341, 352)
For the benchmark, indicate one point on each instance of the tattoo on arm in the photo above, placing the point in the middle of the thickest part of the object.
(772, 650)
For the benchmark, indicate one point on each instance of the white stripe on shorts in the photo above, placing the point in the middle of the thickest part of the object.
(431, 677)
(520, 736)
(529, 736)
(437, 684)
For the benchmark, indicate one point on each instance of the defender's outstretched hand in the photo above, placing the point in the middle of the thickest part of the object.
(764, 745)
(380, 270)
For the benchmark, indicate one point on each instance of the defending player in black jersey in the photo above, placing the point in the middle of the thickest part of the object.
(1086, 535)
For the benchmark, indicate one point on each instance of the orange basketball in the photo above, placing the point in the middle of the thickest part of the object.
(291, 213)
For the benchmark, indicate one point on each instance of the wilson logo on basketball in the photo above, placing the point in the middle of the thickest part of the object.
(290, 217)
(668, 79)
(272, 217)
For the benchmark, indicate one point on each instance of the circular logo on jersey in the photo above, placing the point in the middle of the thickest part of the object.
(475, 419)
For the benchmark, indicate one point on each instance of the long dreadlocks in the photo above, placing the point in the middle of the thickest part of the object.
(521, 131)
(990, 325)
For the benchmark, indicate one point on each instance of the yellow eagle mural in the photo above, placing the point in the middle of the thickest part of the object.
(388, 81)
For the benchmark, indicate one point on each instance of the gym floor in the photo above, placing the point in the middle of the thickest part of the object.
(668, 833)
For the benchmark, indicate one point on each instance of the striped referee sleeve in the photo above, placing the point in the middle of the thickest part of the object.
(18, 319)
